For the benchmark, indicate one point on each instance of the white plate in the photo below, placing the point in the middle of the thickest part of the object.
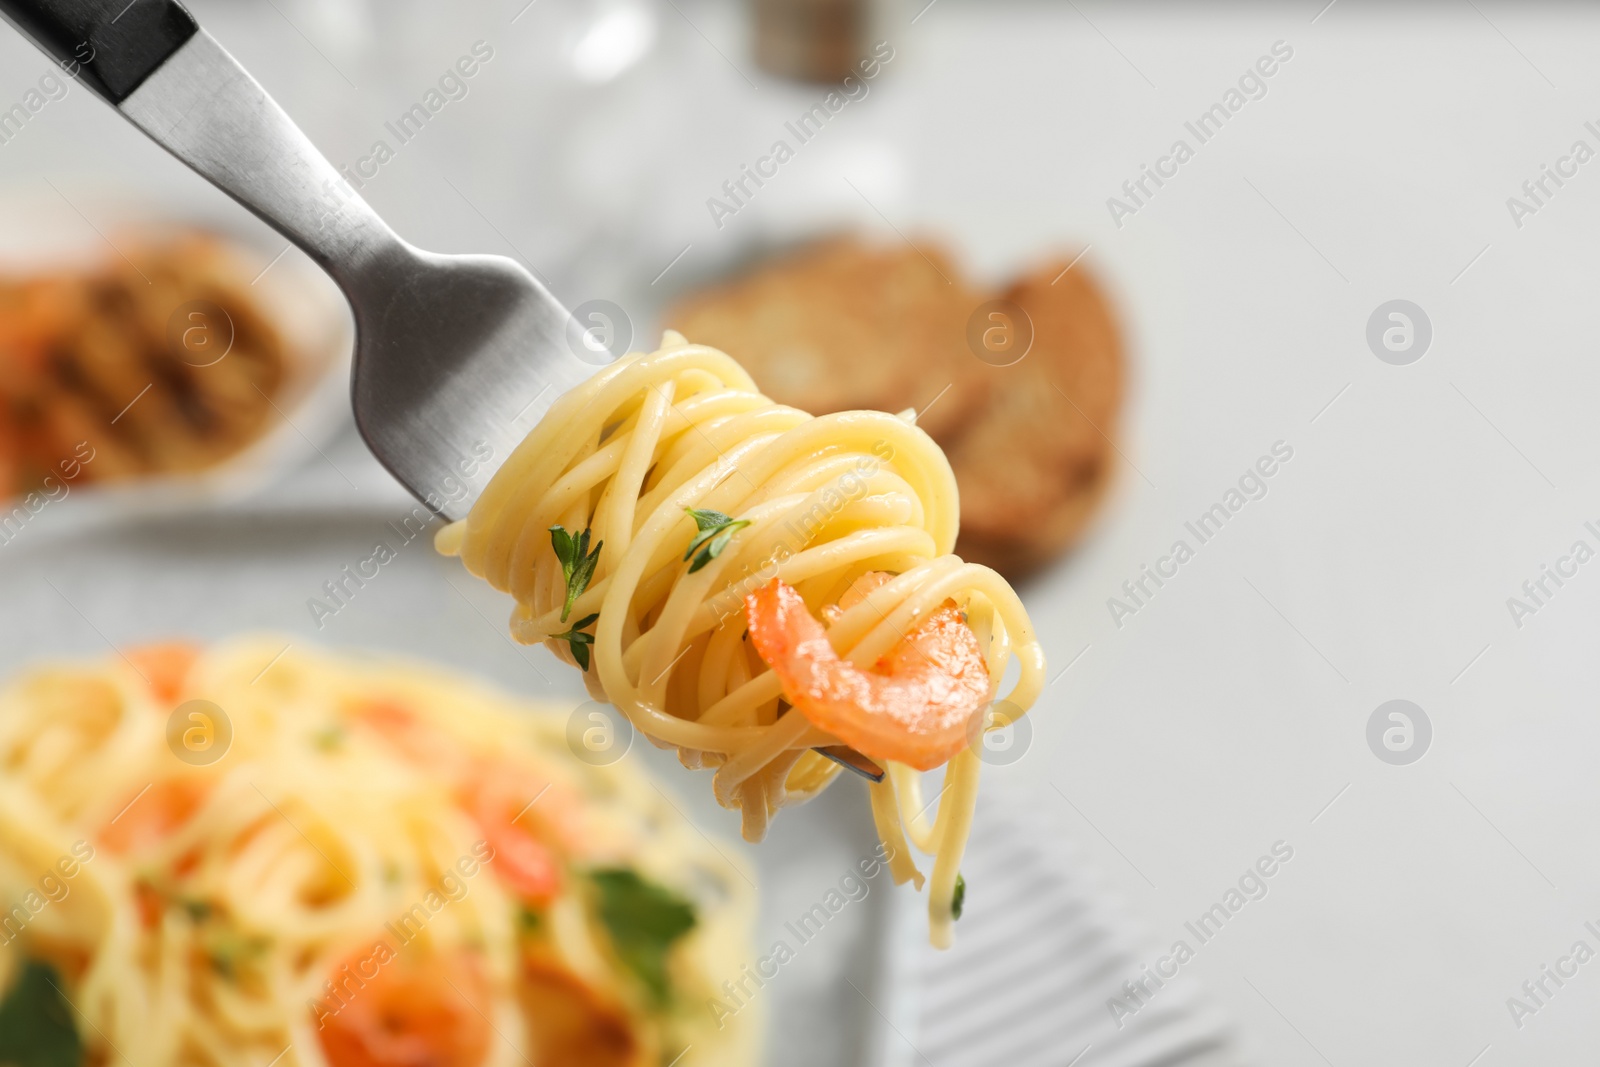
(78, 226)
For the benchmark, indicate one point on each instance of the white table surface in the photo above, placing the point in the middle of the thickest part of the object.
(1230, 711)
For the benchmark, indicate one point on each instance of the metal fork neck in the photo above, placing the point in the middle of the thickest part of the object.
(204, 108)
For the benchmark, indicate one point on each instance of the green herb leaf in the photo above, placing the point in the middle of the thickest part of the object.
(199, 910)
(577, 641)
(36, 1027)
(577, 563)
(708, 519)
(959, 899)
(716, 530)
(329, 738)
(644, 921)
(530, 922)
(230, 951)
(561, 541)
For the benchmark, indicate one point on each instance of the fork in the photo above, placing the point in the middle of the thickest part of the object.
(452, 351)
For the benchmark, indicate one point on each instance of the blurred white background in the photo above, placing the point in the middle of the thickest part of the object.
(1231, 711)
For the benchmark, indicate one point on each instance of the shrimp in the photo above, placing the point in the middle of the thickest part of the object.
(164, 666)
(412, 1013)
(152, 815)
(573, 1025)
(522, 859)
(500, 798)
(913, 707)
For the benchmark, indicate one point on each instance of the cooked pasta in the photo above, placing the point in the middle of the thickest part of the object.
(386, 867)
(707, 505)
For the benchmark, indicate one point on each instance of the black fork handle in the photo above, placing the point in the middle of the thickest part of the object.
(110, 46)
(171, 79)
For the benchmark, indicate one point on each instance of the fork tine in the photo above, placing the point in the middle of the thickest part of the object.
(850, 759)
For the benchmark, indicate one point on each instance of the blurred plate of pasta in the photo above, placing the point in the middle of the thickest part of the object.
(822, 969)
(151, 358)
(362, 859)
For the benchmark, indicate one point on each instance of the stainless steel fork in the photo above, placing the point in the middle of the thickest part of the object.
(450, 349)
(452, 352)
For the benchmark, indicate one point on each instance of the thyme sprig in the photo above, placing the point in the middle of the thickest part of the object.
(577, 562)
(716, 530)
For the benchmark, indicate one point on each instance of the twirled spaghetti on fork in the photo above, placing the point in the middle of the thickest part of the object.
(747, 583)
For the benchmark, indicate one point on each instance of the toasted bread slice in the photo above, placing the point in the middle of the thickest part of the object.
(1033, 465)
(842, 324)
